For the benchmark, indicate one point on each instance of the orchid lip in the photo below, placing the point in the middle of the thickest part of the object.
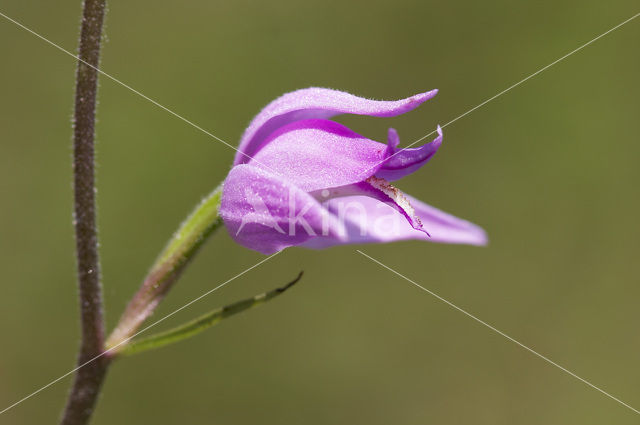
(376, 188)
(399, 199)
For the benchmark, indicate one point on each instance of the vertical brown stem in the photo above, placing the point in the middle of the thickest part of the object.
(89, 377)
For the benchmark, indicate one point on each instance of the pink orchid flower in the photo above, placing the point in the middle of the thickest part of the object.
(300, 179)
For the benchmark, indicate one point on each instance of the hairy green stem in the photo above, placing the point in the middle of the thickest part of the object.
(88, 379)
(182, 247)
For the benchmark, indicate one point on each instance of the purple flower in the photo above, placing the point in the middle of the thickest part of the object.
(301, 179)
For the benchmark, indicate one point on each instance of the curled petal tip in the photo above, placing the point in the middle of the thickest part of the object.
(438, 140)
(393, 140)
(401, 162)
(317, 103)
(431, 93)
(423, 97)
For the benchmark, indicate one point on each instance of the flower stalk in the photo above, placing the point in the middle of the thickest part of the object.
(182, 247)
(88, 379)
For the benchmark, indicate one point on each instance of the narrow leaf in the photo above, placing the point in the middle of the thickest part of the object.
(198, 325)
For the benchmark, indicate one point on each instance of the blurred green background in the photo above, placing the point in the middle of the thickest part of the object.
(550, 169)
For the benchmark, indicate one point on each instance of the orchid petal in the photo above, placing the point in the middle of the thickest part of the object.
(447, 228)
(265, 212)
(380, 190)
(368, 221)
(316, 103)
(319, 154)
(402, 162)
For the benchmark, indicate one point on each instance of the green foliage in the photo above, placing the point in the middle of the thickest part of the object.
(199, 324)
